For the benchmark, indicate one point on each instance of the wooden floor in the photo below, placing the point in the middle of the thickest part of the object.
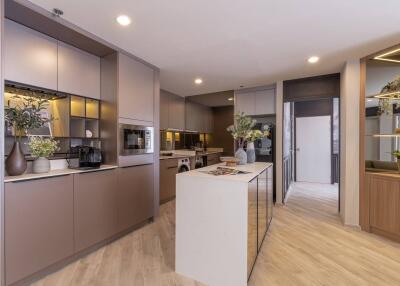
(306, 245)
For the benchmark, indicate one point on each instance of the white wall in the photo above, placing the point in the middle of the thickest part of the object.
(349, 139)
(279, 141)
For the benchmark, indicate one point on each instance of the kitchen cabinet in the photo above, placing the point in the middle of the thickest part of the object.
(135, 89)
(38, 224)
(78, 71)
(260, 102)
(176, 113)
(213, 159)
(385, 204)
(135, 195)
(29, 56)
(262, 207)
(198, 117)
(168, 171)
(164, 110)
(252, 248)
(95, 207)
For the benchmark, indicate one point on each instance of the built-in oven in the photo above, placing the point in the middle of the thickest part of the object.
(136, 139)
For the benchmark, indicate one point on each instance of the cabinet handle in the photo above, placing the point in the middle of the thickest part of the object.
(133, 166)
(39, 178)
(173, 167)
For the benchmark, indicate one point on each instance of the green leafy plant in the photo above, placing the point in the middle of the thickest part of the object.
(26, 114)
(393, 86)
(396, 154)
(42, 147)
(241, 128)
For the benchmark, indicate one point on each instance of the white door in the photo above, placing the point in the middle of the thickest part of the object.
(313, 149)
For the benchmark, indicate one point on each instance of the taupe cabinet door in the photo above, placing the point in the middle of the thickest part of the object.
(136, 89)
(95, 197)
(38, 224)
(176, 114)
(164, 110)
(30, 57)
(252, 226)
(168, 171)
(78, 71)
(135, 195)
(262, 207)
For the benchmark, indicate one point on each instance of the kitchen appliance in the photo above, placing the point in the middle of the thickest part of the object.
(183, 165)
(135, 139)
(88, 157)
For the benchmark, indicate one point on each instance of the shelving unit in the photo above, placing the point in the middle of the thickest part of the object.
(76, 119)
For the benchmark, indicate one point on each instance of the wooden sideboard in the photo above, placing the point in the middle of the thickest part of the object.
(382, 204)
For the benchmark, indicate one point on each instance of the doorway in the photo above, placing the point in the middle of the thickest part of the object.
(313, 149)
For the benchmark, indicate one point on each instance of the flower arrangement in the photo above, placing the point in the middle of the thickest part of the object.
(26, 114)
(242, 128)
(42, 147)
(393, 86)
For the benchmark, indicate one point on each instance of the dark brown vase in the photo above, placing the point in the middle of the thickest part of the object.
(16, 162)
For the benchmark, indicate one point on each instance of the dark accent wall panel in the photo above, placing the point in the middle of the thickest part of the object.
(310, 108)
(325, 86)
(220, 138)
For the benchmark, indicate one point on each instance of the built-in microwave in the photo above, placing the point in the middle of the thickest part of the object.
(135, 139)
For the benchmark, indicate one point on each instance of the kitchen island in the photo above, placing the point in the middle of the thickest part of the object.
(221, 222)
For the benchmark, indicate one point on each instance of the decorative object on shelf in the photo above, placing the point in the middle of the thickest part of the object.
(89, 133)
(389, 96)
(240, 130)
(24, 114)
(42, 148)
(397, 155)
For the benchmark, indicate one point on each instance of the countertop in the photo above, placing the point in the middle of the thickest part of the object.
(180, 156)
(255, 169)
(54, 173)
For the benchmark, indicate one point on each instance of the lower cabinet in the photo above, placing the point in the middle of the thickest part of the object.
(213, 159)
(384, 194)
(168, 171)
(38, 224)
(252, 248)
(262, 208)
(135, 195)
(95, 204)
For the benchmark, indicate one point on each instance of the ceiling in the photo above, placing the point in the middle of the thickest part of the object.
(243, 42)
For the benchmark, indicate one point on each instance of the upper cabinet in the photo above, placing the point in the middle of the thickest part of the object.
(260, 102)
(78, 72)
(30, 57)
(172, 111)
(135, 89)
(33, 58)
(198, 117)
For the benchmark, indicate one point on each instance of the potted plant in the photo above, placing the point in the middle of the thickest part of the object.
(397, 155)
(42, 148)
(24, 114)
(240, 132)
(252, 136)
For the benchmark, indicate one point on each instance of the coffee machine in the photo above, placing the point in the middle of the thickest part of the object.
(85, 157)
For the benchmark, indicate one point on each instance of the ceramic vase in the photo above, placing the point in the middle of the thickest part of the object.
(242, 156)
(16, 163)
(251, 153)
(41, 165)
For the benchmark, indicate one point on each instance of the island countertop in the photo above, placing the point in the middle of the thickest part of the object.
(254, 170)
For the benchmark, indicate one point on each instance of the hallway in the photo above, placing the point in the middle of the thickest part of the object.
(306, 245)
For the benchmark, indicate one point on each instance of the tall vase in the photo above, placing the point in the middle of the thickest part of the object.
(241, 155)
(16, 162)
(251, 153)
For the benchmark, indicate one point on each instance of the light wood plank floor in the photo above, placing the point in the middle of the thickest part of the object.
(306, 245)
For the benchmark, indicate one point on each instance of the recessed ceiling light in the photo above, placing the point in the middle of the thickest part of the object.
(313, 59)
(123, 20)
(230, 98)
(198, 81)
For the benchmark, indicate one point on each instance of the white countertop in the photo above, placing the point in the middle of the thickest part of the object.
(53, 173)
(255, 169)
